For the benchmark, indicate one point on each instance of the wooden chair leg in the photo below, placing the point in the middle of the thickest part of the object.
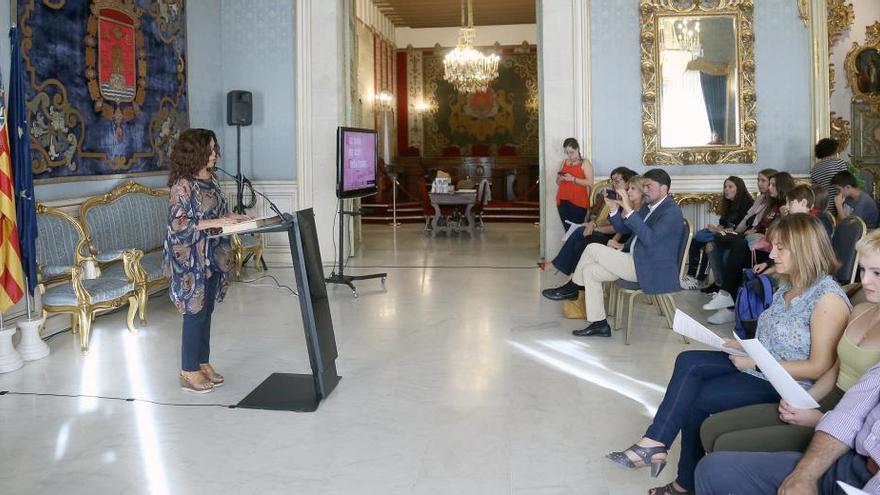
(132, 310)
(668, 308)
(619, 308)
(85, 326)
(612, 299)
(629, 315)
(142, 298)
(238, 262)
(659, 304)
(74, 323)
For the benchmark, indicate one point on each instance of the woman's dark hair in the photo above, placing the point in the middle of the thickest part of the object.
(768, 172)
(625, 173)
(742, 196)
(573, 144)
(190, 154)
(784, 183)
(820, 198)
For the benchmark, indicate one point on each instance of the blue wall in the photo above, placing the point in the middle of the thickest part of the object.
(258, 56)
(782, 58)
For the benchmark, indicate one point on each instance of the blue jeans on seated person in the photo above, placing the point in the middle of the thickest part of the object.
(758, 473)
(570, 253)
(703, 383)
(196, 340)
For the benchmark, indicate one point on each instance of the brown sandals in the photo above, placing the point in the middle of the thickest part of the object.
(211, 374)
(196, 382)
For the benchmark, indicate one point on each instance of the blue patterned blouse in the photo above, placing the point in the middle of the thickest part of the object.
(190, 257)
(784, 329)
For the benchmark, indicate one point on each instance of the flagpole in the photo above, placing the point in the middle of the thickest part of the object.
(13, 13)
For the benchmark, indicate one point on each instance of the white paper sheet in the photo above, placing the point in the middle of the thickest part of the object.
(851, 490)
(571, 228)
(684, 325)
(784, 384)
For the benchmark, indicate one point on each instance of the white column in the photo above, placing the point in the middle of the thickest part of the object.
(819, 85)
(564, 85)
(320, 109)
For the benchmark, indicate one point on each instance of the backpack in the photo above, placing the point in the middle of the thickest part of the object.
(752, 298)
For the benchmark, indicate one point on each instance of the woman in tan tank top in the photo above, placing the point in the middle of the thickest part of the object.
(782, 427)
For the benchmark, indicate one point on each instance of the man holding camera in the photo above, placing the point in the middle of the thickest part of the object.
(650, 257)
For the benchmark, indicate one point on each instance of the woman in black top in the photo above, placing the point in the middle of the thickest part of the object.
(735, 205)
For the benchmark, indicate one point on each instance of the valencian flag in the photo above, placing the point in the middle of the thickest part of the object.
(20, 147)
(11, 278)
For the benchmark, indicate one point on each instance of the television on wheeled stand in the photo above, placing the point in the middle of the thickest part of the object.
(357, 160)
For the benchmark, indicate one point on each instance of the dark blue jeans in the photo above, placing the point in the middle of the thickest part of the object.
(570, 212)
(703, 383)
(758, 473)
(196, 341)
(570, 253)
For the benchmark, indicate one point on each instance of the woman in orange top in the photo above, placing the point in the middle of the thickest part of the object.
(574, 178)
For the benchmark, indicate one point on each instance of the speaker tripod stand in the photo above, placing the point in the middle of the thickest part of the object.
(339, 277)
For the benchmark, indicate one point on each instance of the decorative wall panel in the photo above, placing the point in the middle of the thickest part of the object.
(105, 84)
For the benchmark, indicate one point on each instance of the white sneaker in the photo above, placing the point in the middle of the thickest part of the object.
(720, 301)
(691, 283)
(722, 316)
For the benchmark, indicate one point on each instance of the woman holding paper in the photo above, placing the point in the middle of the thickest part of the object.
(784, 428)
(800, 329)
(196, 266)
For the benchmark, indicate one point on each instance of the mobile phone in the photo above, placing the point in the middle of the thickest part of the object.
(612, 194)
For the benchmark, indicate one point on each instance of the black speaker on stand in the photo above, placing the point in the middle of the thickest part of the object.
(239, 112)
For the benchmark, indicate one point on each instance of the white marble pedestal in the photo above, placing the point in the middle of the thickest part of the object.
(32, 346)
(10, 360)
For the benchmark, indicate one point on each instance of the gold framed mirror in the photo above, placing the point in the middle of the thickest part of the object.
(698, 82)
(863, 69)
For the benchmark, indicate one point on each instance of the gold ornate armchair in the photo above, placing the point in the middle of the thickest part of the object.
(62, 266)
(244, 246)
(130, 217)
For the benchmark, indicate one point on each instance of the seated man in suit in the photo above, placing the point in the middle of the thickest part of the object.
(650, 256)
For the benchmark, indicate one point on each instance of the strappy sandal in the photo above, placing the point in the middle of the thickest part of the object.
(645, 454)
(668, 489)
(211, 374)
(196, 382)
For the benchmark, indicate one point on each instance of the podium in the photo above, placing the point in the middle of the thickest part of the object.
(293, 391)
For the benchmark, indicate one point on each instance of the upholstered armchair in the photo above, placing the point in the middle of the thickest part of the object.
(130, 217)
(63, 263)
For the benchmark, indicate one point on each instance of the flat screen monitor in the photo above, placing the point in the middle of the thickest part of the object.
(357, 162)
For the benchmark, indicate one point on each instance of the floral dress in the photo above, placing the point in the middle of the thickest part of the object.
(190, 256)
(784, 329)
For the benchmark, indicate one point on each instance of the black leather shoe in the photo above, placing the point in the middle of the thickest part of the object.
(596, 329)
(560, 294)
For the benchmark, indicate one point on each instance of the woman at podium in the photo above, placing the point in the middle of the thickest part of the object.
(197, 267)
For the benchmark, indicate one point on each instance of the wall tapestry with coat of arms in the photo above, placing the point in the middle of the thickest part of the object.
(505, 114)
(105, 84)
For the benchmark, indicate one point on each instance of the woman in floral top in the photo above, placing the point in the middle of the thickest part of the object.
(196, 266)
(800, 329)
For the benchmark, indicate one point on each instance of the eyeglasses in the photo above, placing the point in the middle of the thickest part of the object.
(216, 150)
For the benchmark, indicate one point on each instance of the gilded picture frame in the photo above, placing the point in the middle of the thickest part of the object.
(863, 69)
(744, 150)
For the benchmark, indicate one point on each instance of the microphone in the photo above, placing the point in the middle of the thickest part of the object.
(242, 183)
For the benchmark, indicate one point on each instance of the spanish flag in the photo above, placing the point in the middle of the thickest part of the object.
(11, 278)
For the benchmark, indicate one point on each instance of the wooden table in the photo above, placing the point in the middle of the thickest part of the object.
(458, 199)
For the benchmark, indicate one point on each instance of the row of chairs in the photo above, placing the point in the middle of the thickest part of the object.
(623, 294)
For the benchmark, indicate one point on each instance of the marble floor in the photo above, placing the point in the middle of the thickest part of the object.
(460, 379)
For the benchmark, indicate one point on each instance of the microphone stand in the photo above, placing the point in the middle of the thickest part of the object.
(240, 184)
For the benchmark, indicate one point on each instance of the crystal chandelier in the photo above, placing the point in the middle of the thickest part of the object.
(465, 68)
